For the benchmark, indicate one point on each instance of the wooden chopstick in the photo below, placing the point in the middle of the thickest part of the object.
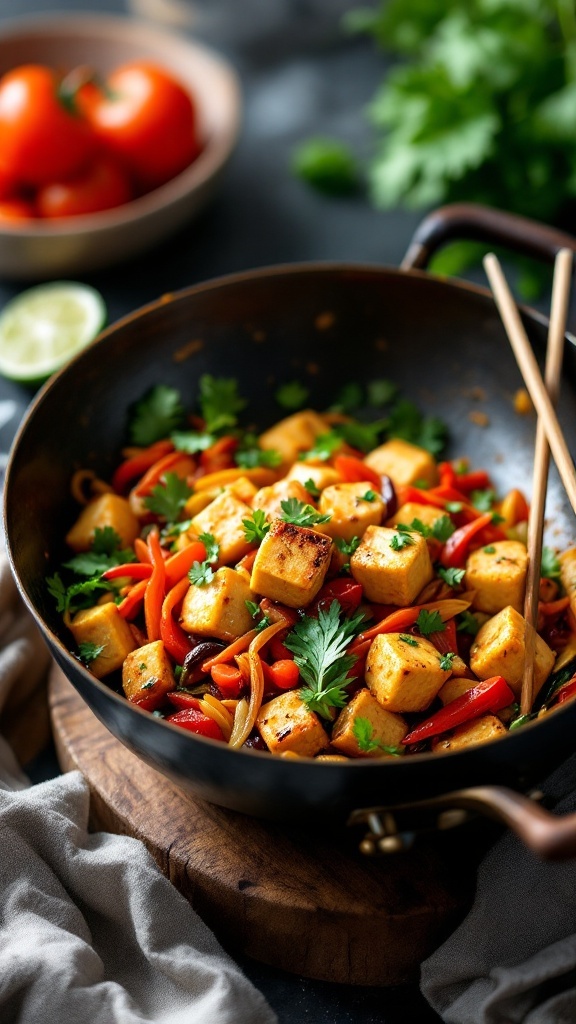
(553, 369)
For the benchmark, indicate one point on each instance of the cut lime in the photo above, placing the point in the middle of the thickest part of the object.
(43, 327)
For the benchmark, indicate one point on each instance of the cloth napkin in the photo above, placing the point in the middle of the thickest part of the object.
(91, 932)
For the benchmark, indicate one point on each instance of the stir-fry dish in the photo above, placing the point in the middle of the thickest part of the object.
(328, 588)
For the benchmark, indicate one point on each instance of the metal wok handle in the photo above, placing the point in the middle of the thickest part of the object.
(471, 221)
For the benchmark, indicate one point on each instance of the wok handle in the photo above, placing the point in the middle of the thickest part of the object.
(471, 221)
(548, 836)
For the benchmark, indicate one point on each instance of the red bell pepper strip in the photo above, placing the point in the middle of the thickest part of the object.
(354, 470)
(228, 679)
(196, 721)
(278, 651)
(346, 591)
(407, 493)
(134, 570)
(490, 695)
(138, 464)
(445, 640)
(397, 622)
(164, 465)
(155, 587)
(566, 692)
(181, 700)
(447, 474)
(457, 546)
(476, 480)
(175, 640)
(130, 606)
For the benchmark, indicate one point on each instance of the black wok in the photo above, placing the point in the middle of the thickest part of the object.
(443, 343)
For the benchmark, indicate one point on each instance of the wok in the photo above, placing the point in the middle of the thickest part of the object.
(443, 343)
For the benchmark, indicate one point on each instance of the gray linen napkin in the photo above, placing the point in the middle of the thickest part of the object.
(513, 958)
(90, 930)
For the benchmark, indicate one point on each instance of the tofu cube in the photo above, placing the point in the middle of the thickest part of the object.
(223, 519)
(351, 513)
(270, 499)
(388, 575)
(103, 626)
(285, 724)
(218, 608)
(147, 675)
(291, 564)
(321, 475)
(106, 510)
(388, 729)
(568, 575)
(497, 574)
(411, 510)
(404, 673)
(295, 434)
(455, 687)
(481, 730)
(243, 489)
(498, 650)
(403, 462)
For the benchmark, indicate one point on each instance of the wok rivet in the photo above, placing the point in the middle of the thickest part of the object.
(368, 847)
(391, 844)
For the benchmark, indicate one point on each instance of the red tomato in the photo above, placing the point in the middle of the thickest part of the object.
(16, 210)
(196, 722)
(102, 186)
(40, 140)
(146, 118)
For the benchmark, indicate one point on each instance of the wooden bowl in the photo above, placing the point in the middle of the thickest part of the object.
(73, 245)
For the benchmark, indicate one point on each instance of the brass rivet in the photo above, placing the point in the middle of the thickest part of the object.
(368, 847)
(391, 844)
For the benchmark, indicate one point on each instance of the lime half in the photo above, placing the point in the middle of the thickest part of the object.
(43, 327)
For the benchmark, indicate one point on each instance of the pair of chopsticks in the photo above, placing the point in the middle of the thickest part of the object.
(549, 436)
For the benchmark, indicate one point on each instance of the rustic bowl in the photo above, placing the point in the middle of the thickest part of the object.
(74, 245)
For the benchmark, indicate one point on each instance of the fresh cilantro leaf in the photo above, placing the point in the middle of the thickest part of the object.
(350, 398)
(483, 500)
(408, 640)
(249, 458)
(347, 547)
(319, 648)
(256, 528)
(67, 597)
(326, 164)
(453, 577)
(312, 489)
(300, 514)
(381, 392)
(489, 549)
(191, 441)
(253, 607)
(256, 613)
(104, 554)
(446, 661)
(430, 622)
(401, 540)
(454, 506)
(57, 590)
(88, 652)
(292, 395)
(219, 403)
(519, 721)
(364, 735)
(201, 574)
(423, 485)
(550, 566)
(324, 448)
(416, 526)
(468, 623)
(212, 547)
(443, 528)
(168, 499)
(106, 541)
(407, 422)
(364, 436)
(369, 496)
(173, 530)
(155, 416)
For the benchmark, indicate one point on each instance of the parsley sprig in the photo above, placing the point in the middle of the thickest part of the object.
(106, 551)
(168, 499)
(301, 514)
(155, 415)
(256, 528)
(319, 648)
(364, 734)
(219, 402)
(202, 573)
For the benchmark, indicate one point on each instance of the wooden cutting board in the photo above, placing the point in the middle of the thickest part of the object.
(308, 903)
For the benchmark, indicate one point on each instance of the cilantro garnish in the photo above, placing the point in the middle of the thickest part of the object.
(381, 392)
(453, 577)
(249, 458)
(400, 540)
(212, 547)
(550, 566)
(369, 496)
(88, 652)
(168, 499)
(104, 553)
(364, 735)
(468, 623)
(201, 574)
(349, 398)
(454, 506)
(429, 622)
(327, 164)
(219, 403)
(407, 422)
(256, 528)
(311, 487)
(255, 612)
(347, 547)
(446, 661)
(324, 447)
(408, 640)
(155, 415)
(489, 549)
(364, 436)
(292, 395)
(67, 597)
(319, 646)
(301, 514)
(191, 441)
(483, 500)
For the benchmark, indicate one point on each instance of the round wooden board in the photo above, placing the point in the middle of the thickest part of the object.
(307, 903)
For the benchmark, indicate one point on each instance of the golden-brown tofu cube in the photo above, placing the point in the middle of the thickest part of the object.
(497, 574)
(455, 687)
(350, 512)
(411, 510)
(568, 575)
(321, 475)
(223, 519)
(269, 499)
(481, 730)
(106, 510)
(498, 650)
(403, 462)
(404, 673)
(391, 575)
(243, 489)
(295, 434)
(218, 608)
(147, 675)
(104, 627)
(291, 564)
(387, 729)
(286, 724)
